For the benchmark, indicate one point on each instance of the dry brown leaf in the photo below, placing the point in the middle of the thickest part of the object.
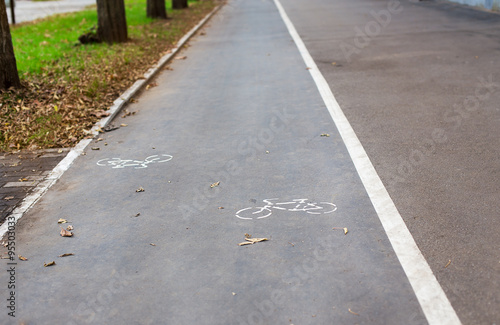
(151, 85)
(248, 235)
(22, 258)
(447, 264)
(353, 312)
(245, 243)
(140, 189)
(344, 229)
(214, 184)
(65, 233)
(69, 228)
(61, 220)
(49, 264)
(325, 134)
(123, 125)
(152, 244)
(250, 241)
(181, 57)
(95, 148)
(7, 198)
(255, 240)
(66, 254)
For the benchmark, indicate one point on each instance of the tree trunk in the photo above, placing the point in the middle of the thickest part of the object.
(111, 21)
(156, 9)
(12, 12)
(179, 4)
(8, 67)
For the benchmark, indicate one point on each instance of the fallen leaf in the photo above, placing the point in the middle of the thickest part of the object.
(8, 198)
(96, 148)
(22, 258)
(138, 214)
(123, 125)
(66, 254)
(152, 244)
(245, 243)
(220, 208)
(69, 228)
(151, 85)
(181, 57)
(447, 264)
(140, 189)
(127, 113)
(110, 128)
(23, 179)
(234, 293)
(62, 220)
(49, 264)
(214, 184)
(325, 135)
(256, 240)
(248, 235)
(65, 233)
(251, 241)
(133, 100)
(344, 229)
(353, 312)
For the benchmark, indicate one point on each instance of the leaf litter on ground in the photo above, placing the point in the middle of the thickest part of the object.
(56, 105)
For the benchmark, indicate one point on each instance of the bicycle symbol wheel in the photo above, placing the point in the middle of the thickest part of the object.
(321, 207)
(156, 159)
(253, 213)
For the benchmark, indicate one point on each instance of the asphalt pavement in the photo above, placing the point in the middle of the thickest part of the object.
(26, 10)
(236, 142)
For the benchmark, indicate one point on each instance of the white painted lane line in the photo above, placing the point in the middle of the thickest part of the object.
(435, 305)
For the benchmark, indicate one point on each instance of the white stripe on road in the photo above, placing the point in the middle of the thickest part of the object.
(435, 305)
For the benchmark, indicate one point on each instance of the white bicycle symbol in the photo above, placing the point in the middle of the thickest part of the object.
(296, 205)
(122, 163)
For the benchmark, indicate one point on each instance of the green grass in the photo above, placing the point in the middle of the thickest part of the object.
(45, 42)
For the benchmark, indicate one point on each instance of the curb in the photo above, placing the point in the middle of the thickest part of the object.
(118, 104)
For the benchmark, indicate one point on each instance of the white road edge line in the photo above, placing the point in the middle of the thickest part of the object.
(435, 305)
(118, 104)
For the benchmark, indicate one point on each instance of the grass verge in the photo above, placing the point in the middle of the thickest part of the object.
(67, 87)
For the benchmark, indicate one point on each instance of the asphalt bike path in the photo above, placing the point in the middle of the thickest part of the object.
(234, 142)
